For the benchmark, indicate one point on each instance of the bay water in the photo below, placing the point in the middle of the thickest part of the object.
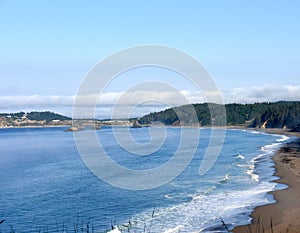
(46, 187)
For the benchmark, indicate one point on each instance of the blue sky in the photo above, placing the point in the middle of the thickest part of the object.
(46, 47)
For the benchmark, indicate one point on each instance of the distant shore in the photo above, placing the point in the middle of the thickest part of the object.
(284, 215)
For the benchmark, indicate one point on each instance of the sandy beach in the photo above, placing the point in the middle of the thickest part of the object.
(284, 215)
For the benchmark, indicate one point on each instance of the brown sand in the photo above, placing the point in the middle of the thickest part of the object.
(284, 215)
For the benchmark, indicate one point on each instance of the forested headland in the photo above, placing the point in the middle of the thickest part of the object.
(281, 114)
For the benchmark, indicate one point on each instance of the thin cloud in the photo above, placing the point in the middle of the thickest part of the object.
(145, 101)
(270, 93)
(35, 100)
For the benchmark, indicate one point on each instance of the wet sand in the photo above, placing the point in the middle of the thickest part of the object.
(284, 215)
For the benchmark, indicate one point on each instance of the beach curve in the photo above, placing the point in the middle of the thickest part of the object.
(284, 215)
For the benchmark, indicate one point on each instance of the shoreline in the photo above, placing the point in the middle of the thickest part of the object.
(284, 214)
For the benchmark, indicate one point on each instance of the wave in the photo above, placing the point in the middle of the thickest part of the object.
(115, 230)
(283, 138)
(260, 132)
(225, 179)
(205, 211)
(174, 230)
(272, 147)
(229, 205)
(239, 156)
(208, 191)
(251, 173)
(268, 150)
(168, 196)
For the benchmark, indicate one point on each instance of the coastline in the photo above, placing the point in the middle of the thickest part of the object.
(284, 214)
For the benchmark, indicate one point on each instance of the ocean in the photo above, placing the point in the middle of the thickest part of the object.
(46, 187)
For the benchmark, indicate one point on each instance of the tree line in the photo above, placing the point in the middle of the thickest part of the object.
(36, 116)
(283, 114)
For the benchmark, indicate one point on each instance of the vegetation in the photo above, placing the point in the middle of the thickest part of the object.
(281, 114)
(22, 119)
(13, 115)
(46, 116)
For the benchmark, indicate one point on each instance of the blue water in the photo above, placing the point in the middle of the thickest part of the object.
(46, 187)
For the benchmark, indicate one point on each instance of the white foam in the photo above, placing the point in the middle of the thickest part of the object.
(250, 172)
(167, 196)
(210, 189)
(202, 210)
(283, 138)
(270, 148)
(267, 149)
(225, 179)
(239, 156)
(198, 196)
(174, 230)
(208, 208)
(115, 230)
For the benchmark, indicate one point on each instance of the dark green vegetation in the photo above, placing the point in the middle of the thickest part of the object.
(46, 116)
(22, 119)
(36, 116)
(259, 115)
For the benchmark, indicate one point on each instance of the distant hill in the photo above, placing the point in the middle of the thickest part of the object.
(47, 116)
(22, 119)
(46, 119)
(259, 115)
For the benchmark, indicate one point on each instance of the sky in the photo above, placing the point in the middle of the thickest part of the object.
(250, 48)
